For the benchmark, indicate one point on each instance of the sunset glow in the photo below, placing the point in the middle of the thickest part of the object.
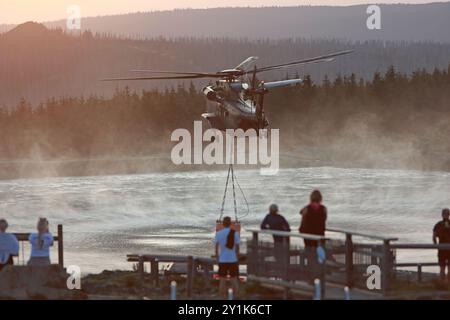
(25, 10)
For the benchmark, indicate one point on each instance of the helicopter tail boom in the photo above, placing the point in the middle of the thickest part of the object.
(282, 83)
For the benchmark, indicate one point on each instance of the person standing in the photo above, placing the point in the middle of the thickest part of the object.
(275, 221)
(314, 217)
(313, 221)
(441, 232)
(9, 246)
(40, 244)
(227, 251)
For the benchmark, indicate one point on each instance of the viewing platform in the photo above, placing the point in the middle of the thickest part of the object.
(353, 265)
(351, 259)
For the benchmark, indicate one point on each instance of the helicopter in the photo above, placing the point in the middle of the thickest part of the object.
(236, 101)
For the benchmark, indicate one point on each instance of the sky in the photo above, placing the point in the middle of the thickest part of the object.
(19, 11)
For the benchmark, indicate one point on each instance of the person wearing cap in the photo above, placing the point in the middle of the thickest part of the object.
(9, 246)
(275, 221)
(441, 233)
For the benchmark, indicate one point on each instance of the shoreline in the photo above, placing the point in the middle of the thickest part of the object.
(28, 169)
(129, 285)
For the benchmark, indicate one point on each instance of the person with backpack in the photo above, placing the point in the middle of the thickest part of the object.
(227, 252)
(314, 217)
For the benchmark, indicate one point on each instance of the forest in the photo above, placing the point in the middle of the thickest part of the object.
(37, 63)
(392, 121)
(400, 22)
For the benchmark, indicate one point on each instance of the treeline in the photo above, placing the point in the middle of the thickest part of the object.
(393, 120)
(71, 128)
(412, 22)
(37, 63)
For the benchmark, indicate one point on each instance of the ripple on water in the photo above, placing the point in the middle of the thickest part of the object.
(109, 217)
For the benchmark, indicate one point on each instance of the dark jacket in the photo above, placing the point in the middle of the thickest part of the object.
(275, 222)
(442, 231)
(313, 222)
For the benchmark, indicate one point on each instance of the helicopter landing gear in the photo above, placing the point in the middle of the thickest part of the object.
(213, 139)
(265, 132)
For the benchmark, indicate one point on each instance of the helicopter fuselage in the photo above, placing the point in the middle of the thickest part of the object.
(229, 107)
(237, 99)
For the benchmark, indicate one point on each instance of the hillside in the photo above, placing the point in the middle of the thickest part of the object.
(400, 22)
(38, 63)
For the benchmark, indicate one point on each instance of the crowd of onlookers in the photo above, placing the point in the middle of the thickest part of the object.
(40, 242)
(313, 222)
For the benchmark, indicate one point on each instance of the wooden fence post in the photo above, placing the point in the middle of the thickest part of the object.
(419, 272)
(286, 261)
(190, 275)
(252, 263)
(155, 272)
(60, 247)
(385, 267)
(349, 260)
(141, 267)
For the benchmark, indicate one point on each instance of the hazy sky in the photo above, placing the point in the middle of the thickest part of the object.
(18, 11)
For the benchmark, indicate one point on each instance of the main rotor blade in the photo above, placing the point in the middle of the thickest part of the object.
(205, 74)
(324, 58)
(247, 63)
(157, 78)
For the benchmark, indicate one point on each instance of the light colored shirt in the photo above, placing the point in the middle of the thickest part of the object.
(40, 247)
(227, 255)
(8, 246)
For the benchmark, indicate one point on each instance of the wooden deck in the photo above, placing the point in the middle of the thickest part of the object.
(286, 267)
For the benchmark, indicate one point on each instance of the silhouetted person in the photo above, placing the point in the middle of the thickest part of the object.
(314, 217)
(227, 253)
(9, 246)
(441, 232)
(275, 221)
(40, 244)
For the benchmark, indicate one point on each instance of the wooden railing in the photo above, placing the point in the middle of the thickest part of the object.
(361, 234)
(305, 236)
(285, 265)
(379, 251)
(288, 272)
(192, 263)
(419, 246)
(385, 256)
(59, 238)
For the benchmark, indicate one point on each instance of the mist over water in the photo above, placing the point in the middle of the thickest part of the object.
(107, 217)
